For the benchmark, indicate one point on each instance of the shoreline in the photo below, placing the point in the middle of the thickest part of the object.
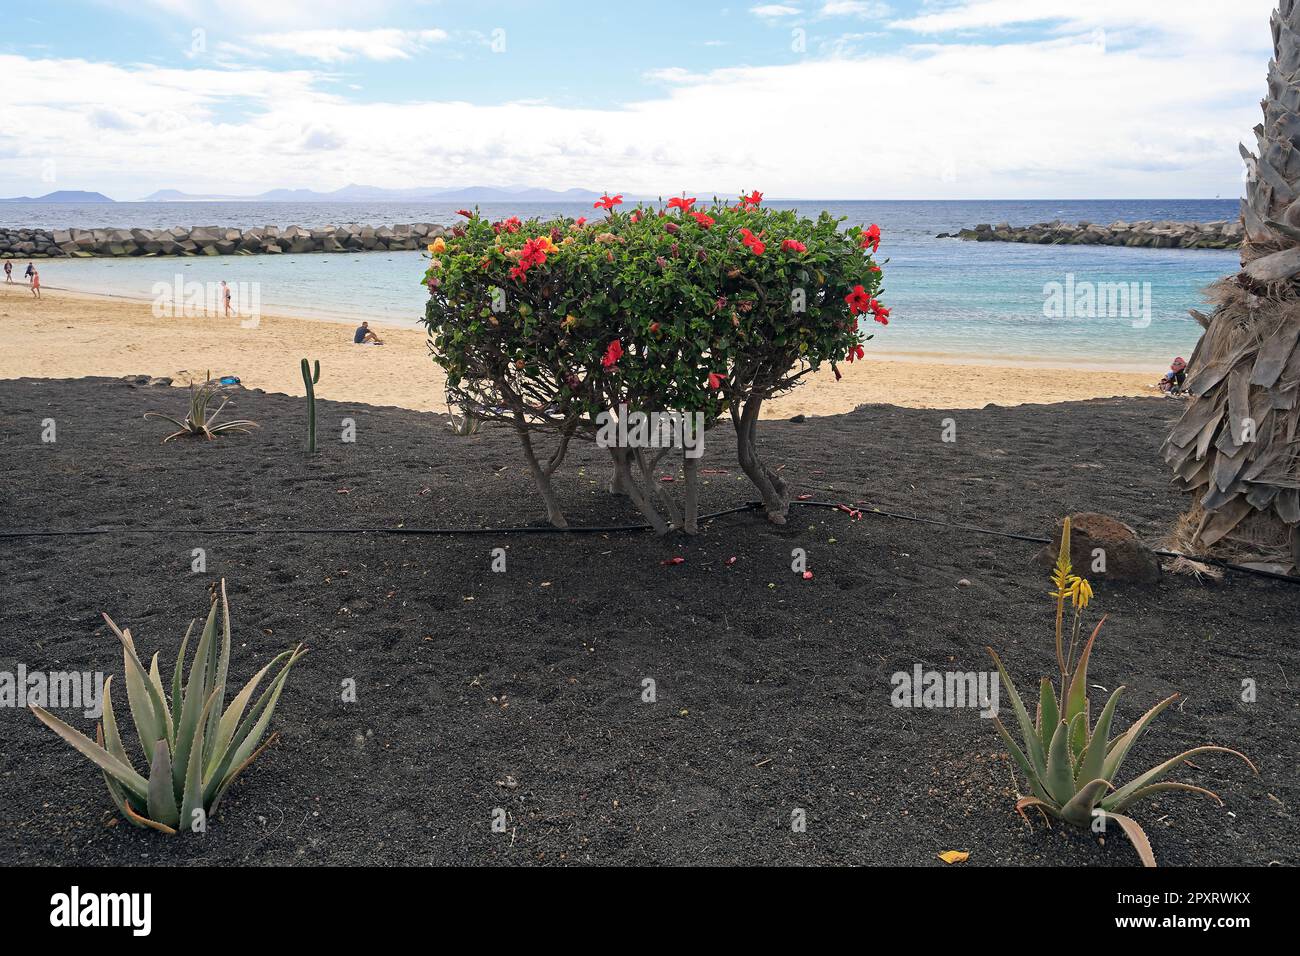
(72, 334)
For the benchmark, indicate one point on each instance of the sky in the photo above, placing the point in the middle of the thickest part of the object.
(830, 99)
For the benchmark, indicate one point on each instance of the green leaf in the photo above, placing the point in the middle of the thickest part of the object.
(1092, 764)
(1032, 743)
(1059, 777)
(176, 680)
(1121, 795)
(111, 733)
(230, 720)
(117, 769)
(193, 793)
(1137, 836)
(162, 797)
(1048, 713)
(195, 695)
(222, 662)
(1123, 744)
(1079, 810)
(145, 711)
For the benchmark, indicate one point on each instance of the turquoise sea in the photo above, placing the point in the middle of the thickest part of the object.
(950, 299)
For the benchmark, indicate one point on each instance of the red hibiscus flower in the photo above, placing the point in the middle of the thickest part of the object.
(871, 238)
(703, 220)
(716, 380)
(755, 243)
(879, 312)
(608, 202)
(793, 245)
(752, 200)
(858, 300)
(678, 202)
(855, 352)
(612, 354)
(465, 212)
(580, 221)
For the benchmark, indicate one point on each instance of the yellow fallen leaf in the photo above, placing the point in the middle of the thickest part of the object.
(954, 856)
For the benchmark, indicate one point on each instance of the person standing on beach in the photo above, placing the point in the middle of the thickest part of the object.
(225, 297)
(9, 272)
(28, 273)
(36, 283)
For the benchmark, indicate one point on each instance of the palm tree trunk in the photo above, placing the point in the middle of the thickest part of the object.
(1237, 446)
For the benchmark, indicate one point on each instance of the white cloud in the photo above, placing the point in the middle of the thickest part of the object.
(855, 8)
(770, 11)
(337, 46)
(1056, 118)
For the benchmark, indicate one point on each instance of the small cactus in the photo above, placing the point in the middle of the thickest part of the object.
(310, 376)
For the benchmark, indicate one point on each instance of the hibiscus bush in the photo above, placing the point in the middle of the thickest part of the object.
(558, 327)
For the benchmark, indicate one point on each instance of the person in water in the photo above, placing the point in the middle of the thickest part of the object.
(364, 336)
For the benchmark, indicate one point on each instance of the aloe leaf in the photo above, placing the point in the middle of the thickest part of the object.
(1079, 810)
(1093, 761)
(1034, 802)
(1155, 773)
(118, 769)
(162, 798)
(221, 790)
(195, 695)
(176, 679)
(193, 794)
(1059, 778)
(221, 660)
(1137, 836)
(145, 711)
(1032, 743)
(1016, 753)
(155, 678)
(1124, 743)
(230, 720)
(142, 821)
(1078, 694)
(254, 725)
(115, 791)
(1049, 713)
(111, 733)
(1154, 788)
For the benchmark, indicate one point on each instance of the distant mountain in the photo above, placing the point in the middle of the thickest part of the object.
(63, 195)
(355, 193)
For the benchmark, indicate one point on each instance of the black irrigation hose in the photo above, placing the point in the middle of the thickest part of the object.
(623, 529)
(535, 529)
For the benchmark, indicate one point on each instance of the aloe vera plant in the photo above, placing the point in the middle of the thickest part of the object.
(193, 749)
(1070, 763)
(198, 423)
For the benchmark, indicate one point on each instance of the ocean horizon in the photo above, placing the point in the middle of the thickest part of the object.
(995, 303)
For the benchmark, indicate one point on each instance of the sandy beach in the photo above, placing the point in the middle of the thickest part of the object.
(72, 335)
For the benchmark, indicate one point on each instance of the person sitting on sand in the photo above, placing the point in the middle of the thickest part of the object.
(363, 336)
(36, 283)
(9, 272)
(1176, 378)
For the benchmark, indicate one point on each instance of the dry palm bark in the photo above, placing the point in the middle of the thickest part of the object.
(1237, 447)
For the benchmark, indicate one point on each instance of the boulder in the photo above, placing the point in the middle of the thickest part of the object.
(1126, 558)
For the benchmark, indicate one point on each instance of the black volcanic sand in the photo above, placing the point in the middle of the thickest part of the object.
(523, 690)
